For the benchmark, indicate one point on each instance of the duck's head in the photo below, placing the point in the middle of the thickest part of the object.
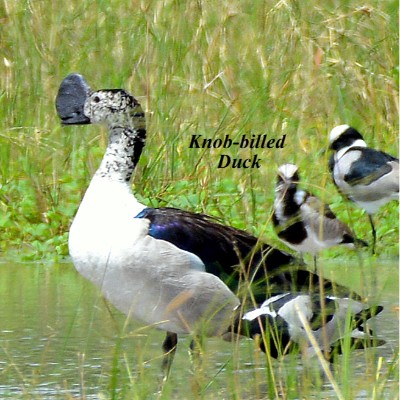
(77, 104)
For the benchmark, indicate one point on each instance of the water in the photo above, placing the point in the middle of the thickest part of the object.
(60, 340)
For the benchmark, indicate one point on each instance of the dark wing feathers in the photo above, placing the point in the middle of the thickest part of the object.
(220, 247)
(232, 254)
(362, 172)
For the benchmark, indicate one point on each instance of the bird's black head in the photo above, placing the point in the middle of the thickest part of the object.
(71, 98)
(343, 136)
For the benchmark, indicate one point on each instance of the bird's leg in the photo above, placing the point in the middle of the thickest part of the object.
(315, 263)
(169, 348)
(195, 350)
(195, 354)
(373, 233)
(300, 260)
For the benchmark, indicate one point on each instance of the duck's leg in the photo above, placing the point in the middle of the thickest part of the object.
(195, 350)
(169, 347)
(195, 354)
(373, 233)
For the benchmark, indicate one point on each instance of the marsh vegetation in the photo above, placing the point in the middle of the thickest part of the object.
(198, 68)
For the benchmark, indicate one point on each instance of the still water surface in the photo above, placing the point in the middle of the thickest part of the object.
(60, 340)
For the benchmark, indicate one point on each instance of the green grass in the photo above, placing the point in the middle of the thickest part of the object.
(210, 68)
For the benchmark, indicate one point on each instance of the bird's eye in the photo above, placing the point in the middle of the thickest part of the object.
(96, 99)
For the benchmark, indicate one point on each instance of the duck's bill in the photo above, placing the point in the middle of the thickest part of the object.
(70, 100)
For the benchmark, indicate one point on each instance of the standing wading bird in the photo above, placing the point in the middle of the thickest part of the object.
(302, 221)
(175, 270)
(368, 177)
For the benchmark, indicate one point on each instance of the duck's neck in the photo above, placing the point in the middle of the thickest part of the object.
(125, 146)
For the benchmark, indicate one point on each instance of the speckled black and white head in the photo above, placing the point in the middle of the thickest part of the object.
(77, 103)
(113, 107)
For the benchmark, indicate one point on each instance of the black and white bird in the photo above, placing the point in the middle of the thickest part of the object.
(368, 177)
(178, 271)
(302, 221)
(309, 322)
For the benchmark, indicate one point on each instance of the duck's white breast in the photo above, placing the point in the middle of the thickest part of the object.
(148, 279)
(104, 226)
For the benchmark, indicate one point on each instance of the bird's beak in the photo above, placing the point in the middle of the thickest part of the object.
(70, 100)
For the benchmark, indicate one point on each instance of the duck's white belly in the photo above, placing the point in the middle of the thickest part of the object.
(147, 279)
